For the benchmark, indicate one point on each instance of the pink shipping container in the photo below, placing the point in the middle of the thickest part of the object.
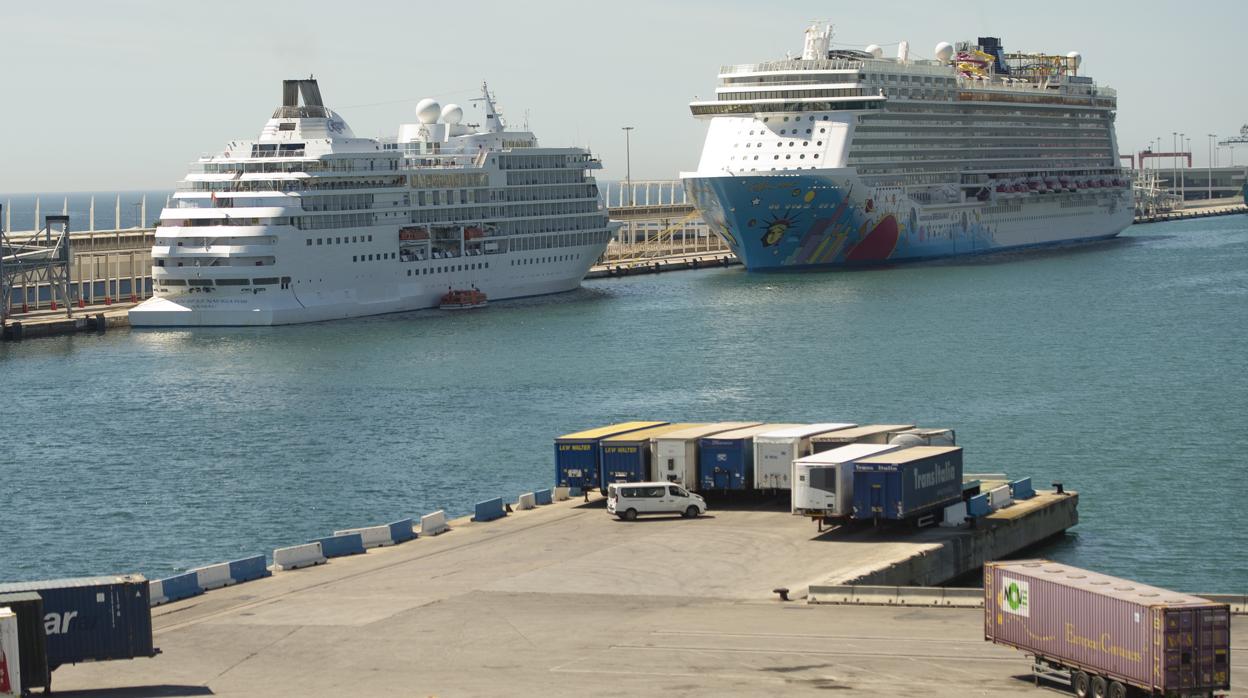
(1108, 633)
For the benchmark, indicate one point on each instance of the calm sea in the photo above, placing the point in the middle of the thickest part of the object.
(1118, 369)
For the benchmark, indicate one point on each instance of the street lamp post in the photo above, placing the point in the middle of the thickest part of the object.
(1174, 162)
(628, 172)
(1209, 195)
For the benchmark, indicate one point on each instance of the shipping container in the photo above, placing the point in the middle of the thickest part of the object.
(925, 437)
(907, 483)
(823, 483)
(676, 453)
(627, 457)
(1104, 634)
(865, 434)
(93, 618)
(726, 460)
(577, 455)
(32, 643)
(775, 451)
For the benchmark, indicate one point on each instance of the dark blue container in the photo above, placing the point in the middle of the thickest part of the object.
(93, 618)
(577, 455)
(726, 461)
(906, 483)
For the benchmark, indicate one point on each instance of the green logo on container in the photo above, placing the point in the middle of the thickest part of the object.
(1014, 597)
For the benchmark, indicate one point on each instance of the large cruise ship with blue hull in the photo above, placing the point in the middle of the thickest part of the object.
(844, 158)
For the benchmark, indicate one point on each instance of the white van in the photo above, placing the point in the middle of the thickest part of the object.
(628, 499)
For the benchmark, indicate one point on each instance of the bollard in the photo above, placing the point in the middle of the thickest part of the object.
(81, 304)
(54, 305)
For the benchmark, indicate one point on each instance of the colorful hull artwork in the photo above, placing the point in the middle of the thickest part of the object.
(833, 220)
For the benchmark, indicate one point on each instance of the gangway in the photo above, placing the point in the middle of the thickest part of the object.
(33, 259)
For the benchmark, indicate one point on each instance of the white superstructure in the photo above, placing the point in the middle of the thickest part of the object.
(842, 157)
(309, 222)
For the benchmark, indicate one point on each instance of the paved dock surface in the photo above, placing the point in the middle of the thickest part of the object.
(566, 600)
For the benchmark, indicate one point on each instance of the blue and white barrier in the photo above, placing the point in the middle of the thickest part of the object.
(489, 510)
(1022, 489)
(526, 501)
(401, 531)
(249, 568)
(338, 546)
(180, 586)
(433, 524)
(297, 556)
(575, 491)
(542, 497)
(214, 576)
(977, 506)
(999, 498)
(562, 493)
(370, 536)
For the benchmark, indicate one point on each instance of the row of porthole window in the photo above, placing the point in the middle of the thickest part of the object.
(544, 260)
(777, 157)
(783, 131)
(791, 144)
(370, 257)
(340, 240)
(455, 267)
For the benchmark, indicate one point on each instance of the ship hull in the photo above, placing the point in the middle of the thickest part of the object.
(830, 219)
(530, 275)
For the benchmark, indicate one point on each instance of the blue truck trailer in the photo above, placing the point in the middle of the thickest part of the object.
(726, 460)
(93, 619)
(908, 483)
(577, 455)
(627, 457)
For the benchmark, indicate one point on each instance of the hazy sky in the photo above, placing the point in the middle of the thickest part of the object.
(113, 95)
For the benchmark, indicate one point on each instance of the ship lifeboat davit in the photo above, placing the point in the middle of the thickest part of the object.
(462, 299)
(879, 244)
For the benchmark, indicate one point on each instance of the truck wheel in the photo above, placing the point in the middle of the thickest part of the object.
(691, 512)
(1117, 690)
(1099, 687)
(630, 515)
(1080, 684)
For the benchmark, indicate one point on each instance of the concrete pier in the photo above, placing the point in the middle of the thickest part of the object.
(564, 599)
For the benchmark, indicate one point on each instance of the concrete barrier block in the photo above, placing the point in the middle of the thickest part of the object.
(433, 524)
(297, 556)
(402, 531)
(574, 492)
(248, 568)
(180, 586)
(1022, 489)
(542, 497)
(999, 498)
(977, 506)
(955, 515)
(964, 598)
(562, 493)
(214, 576)
(832, 593)
(875, 595)
(526, 501)
(372, 536)
(920, 596)
(489, 510)
(337, 546)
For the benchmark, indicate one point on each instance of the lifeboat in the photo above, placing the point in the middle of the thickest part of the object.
(1081, 183)
(462, 299)
(473, 232)
(1035, 184)
(413, 233)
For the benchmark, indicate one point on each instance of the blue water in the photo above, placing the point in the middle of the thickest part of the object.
(1118, 369)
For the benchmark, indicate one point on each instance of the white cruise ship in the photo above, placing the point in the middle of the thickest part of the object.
(309, 222)
(845, 158)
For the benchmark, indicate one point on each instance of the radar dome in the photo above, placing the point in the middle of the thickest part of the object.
(427, 110)
(875, 50)
(452, 114)
(1076, 57)
(944, 51)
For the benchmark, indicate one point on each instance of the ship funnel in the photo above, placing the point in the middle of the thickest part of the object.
(818, 39)
(292, 90)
